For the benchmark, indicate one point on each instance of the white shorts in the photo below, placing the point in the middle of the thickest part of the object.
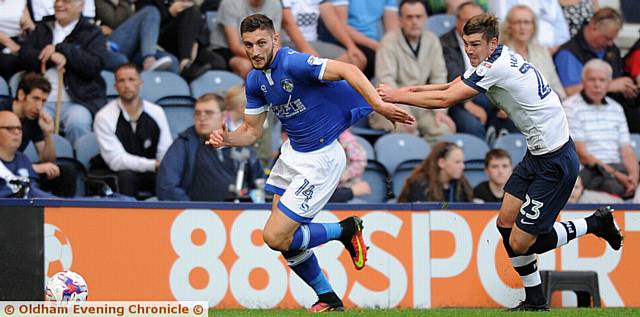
(306, 180)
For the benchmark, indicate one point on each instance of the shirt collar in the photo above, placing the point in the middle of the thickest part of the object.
(65, 29)
(589, 101)
(125, 113)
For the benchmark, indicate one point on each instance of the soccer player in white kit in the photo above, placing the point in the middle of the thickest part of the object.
(542, 183)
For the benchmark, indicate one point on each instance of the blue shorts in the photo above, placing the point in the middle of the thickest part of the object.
(544, 183)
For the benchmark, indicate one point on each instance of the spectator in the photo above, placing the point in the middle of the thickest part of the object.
(183, 34)
(363, 19)
(498, 167)
(44, 8)
(579, 195)
(440, 177)
(17, 178)
(225, 38)
(133, 135)
(194, 171)
(15, 22)
(550, 18)
(133, 36)
(235, 100)
(412, 56)
(577, 13)
(37, 127)
(595, 40)
(351, 183)
(632, 62)
(518, 31)
(300, 19)
(599, 128)
(68, 43)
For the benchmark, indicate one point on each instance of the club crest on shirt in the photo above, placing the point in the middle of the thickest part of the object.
(263, 88)
(287, 85)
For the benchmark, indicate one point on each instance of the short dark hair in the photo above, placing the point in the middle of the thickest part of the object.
(496, 154)
(31, 81)
(403, 2)
(125, 66)
(485, 23)
(256, 22)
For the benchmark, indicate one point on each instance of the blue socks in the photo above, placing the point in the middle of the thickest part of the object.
(303, 261)
(311, 235)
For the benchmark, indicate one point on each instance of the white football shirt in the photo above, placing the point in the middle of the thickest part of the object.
(518, 88)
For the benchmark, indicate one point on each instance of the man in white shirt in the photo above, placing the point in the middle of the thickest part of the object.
(599, 127)
(133, 135)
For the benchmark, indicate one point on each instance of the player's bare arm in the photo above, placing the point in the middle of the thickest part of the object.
(336, 70)
(247, 134)
(430, 96)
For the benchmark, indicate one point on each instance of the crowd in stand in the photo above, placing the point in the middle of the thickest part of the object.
(60, 47)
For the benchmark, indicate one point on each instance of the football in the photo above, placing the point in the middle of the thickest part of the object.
(66, 286)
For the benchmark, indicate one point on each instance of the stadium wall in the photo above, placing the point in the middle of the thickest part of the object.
(421, 255)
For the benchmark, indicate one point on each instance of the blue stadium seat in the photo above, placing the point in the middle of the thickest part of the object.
(211, 19)
(635, 143)
(361, 127)
(86, 148)
(180, 118)
(395, 148)
(217, 81)
(4, 88)
(473, 147)
(371, 154)
(378, 179)
(515, 144)
(109, 80)
(164, 85)
(475, 175)
(31, 153)
(63, 147)
(440, 23)
(400, 175)
(14, 81)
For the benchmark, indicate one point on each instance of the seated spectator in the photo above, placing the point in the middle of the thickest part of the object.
(351, 183)
(577, 13)
(498, 167)
(550, 18)
(17, 178)
(363, 19)
(440, 177)
(473, 115)
(183, 34)
(15, 22)
(300, 19)
(44, 8)
(599, 128)
(632, 62)
(225, 36)
(68, 46)
(412, 56)
(133, 135)
(579, 195)
(595, 40)
(194, 171)
(37, 127)
(518, 32)
(133, 36)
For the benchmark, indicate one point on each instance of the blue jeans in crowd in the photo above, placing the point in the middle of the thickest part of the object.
(75, 119)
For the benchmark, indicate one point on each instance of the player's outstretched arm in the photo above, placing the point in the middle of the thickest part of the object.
(337, 70)
(430, 98)
(247, 134)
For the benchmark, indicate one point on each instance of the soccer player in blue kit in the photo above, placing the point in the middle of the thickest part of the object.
(315, 99)
(542, 182)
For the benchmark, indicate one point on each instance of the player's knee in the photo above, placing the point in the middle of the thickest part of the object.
(275, 242)
(502, 223)
(518, 246)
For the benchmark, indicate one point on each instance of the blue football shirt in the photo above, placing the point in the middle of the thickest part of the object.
(312, 111)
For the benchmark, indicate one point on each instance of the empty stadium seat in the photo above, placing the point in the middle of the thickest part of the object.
(86, 148)
(400, 175)
(164, 85)
(180, 118)
(515, 144)
(378, 179)
(63, 147)
(4, 88)
(371, 154)
(217, 81)
(14, 81)
(31, 153)
(109, 80)
(395, 148)
(211, 19)
(440, 23)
